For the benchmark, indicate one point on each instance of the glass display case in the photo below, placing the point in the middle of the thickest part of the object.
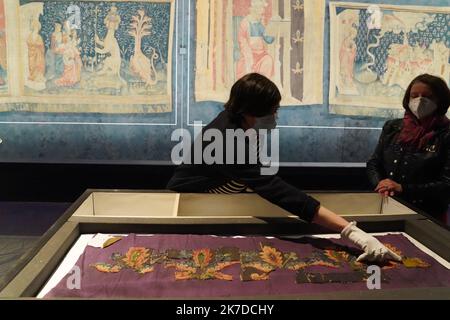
(160, 213)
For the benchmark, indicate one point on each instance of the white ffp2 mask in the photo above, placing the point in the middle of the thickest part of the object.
(422, 107)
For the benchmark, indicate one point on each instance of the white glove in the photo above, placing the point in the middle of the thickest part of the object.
(374, 250)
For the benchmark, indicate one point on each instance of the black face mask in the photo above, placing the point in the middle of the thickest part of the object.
(267, 122)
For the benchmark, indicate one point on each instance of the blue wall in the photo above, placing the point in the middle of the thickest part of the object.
(339, 140)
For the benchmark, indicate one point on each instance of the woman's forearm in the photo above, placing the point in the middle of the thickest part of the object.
(330, 220)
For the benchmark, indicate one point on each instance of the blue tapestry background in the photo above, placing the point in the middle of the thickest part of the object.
(309, 134)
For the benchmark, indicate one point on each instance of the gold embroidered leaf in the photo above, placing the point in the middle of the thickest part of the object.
(106, 268)
(415, 263)
(111, 241)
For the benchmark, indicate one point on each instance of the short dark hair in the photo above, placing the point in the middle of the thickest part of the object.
(439, 88)
(253, 94)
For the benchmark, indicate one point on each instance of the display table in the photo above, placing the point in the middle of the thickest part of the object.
(154, 215)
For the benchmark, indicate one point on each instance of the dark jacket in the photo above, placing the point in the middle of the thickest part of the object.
(202, 177)
(424, 175)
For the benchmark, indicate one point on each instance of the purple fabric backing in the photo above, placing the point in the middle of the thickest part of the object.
(161, 282)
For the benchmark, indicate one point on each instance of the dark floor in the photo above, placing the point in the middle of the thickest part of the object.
(12, 248)
(21, 225)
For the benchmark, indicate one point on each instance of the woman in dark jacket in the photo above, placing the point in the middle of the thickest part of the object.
(412, 158)
(253, 104)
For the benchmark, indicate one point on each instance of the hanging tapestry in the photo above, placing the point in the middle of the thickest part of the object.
(376, 50)
(3, 53)
(280, 39)
(88, 56)
(210, 266)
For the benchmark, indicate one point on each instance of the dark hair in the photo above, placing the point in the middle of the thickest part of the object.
(440, 90)
(255, 95)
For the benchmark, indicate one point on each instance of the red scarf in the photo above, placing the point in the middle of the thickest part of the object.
(417, 133)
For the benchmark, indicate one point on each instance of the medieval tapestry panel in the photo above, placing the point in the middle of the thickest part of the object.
(280, 39)
(3, 52)
(376, 50)
(94, 56)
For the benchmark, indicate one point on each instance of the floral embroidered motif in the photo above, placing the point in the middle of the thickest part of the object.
(208, 264)
(340, 258)
(203, 264)
(138, 259)
(272, 256)
(202, 257)
(257, 266)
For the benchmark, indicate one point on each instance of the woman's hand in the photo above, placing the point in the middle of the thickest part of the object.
(388, 187)
(374, 250)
